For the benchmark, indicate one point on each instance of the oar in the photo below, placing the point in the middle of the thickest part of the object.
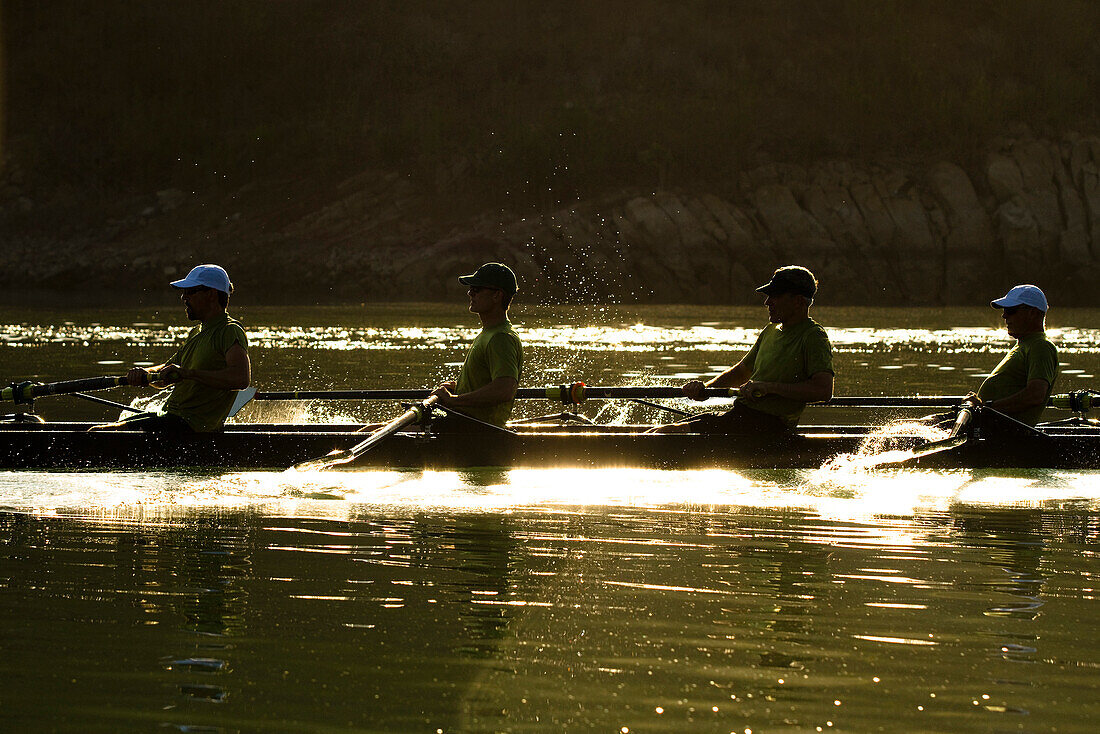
(567, 394)
(342, 456)
(109, 403)
(243, 398)
(578, 393)
(957, 437)
(27, 391)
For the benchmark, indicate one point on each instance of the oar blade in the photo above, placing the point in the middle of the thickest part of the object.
(954, 440)
(334, 458)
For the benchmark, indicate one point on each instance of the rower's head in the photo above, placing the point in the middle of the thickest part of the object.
(789, 294)
(204, 291)
(491, 287)
(1024, 309)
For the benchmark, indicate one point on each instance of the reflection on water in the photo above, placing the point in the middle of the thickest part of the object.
(847, 598)
(664, 619)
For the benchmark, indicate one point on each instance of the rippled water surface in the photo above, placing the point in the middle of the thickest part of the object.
(618, 600)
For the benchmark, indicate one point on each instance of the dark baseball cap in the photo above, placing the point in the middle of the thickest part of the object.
(492, 275)
(790, 279)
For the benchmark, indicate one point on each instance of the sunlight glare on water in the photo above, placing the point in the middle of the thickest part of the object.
(849, 597)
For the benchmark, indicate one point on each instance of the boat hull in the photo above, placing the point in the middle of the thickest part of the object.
(275, 446)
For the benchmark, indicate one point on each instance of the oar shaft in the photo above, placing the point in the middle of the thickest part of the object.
(568, 392)
(900, 401)
(108, 403)
(578, 393)
(410, 416)
(571, 394)
(28, 391)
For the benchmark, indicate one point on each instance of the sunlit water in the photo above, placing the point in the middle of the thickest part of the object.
(843, 598)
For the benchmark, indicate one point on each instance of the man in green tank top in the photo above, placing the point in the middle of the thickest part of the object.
(1021, 384)
(486, 385)
(790, 364)
(206, 371)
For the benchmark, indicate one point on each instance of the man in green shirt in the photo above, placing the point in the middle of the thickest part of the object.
(790, 364)
(486, 385)
(1020, 385)
(206, 371)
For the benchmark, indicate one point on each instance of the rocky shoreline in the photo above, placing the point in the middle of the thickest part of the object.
(928, 233)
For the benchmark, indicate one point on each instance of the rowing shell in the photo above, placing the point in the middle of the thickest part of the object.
(993, 443)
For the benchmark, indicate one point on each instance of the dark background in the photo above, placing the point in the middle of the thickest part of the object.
(262, 111)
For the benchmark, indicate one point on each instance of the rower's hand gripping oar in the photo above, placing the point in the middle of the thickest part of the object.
(413, 415)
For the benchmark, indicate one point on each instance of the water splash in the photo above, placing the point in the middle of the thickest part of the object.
(891, 443)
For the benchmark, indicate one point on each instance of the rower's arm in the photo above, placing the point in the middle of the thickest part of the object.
(1033, 395)
(500, 390)
(236, 375)
(735, 376)
(817, 389)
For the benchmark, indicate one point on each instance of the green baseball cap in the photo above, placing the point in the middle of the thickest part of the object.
(790, 279)
(492, 275)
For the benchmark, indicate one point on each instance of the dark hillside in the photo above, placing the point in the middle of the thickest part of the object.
(249, 108)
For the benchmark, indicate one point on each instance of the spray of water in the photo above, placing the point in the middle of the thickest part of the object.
(890, 443)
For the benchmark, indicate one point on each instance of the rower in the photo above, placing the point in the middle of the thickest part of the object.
(206, 371)
(486, 385)
(1020, 385)
(790, 364)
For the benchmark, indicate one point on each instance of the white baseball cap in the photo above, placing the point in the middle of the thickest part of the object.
(212, 276)
(1022, 295)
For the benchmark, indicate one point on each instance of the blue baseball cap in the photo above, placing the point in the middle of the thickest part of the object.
(211, 276)
(1022, 295)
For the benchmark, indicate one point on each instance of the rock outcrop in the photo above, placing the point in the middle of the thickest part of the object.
(929, 233)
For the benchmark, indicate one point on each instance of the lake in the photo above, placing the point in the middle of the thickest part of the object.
(614, 600)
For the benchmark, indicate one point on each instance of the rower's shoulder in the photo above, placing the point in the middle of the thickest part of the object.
(232, 332)
(1038, 344)
(816, 330)
(507, 334)
(507, 329)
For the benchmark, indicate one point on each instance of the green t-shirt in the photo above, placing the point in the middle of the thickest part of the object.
(496, 352)
(793, 353)
(1033, 358)
(205, 408)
